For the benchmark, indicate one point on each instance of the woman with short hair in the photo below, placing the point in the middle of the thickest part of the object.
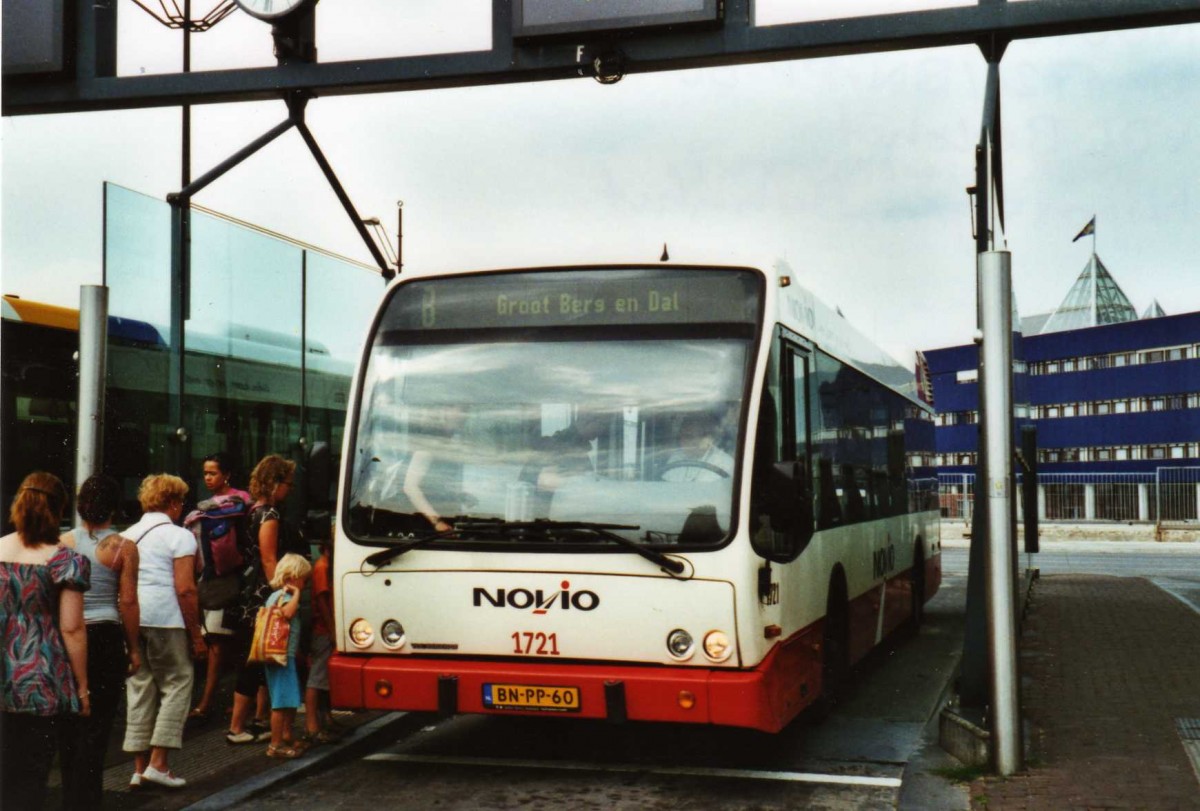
(110, 612)
(159, 693)
(43, 664)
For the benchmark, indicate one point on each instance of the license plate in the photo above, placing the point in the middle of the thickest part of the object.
(531, 697)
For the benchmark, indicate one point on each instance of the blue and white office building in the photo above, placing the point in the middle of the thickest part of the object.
(1115, 399)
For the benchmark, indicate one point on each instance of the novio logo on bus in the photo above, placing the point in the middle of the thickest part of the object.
(537, 600)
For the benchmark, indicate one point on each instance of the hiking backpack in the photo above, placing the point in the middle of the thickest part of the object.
(219, 524)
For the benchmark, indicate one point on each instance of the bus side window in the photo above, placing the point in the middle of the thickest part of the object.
(829, 510)
(856, 510)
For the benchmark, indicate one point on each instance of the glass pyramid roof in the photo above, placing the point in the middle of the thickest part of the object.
(1093, 300)
(1155, 310)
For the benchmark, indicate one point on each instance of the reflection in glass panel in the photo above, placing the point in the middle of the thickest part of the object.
(137, 269)
(584, 398)
(137, 256)
(242, 369)
(341, 301)
(630, 432)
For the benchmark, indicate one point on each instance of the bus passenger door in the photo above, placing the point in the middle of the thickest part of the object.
(781, 492)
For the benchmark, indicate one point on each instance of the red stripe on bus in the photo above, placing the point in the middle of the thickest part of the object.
(766, 697)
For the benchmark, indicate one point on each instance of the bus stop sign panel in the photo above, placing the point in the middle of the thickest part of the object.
(560, 18)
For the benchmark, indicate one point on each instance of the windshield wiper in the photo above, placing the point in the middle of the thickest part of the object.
(381, 557)
(545, 526)
(527, 530)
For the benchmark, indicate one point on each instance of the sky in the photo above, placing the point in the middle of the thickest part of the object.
(853, 169)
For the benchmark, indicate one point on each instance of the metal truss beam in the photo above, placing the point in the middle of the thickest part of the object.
(735, 42)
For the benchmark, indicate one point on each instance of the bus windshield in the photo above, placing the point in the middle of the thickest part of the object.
(625, 419)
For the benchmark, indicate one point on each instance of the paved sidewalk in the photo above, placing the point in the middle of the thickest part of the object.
(1110, 673)
(214, 768)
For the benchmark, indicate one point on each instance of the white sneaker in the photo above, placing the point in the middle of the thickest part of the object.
(135, 781)
(166, 779)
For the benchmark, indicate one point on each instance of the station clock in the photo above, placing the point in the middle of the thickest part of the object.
(271, 10)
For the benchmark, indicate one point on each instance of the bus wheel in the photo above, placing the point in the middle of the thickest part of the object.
(916, 580)
(835, 650)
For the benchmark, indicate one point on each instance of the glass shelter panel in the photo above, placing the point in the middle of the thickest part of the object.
(138, 433)
(340, 303)
(242, 379)
(248, 382)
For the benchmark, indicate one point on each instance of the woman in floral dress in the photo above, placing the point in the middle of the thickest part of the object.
(43, 663)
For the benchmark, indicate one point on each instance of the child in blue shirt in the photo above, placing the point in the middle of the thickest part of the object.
(283, 681)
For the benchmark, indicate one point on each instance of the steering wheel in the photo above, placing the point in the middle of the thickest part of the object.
(695, 463)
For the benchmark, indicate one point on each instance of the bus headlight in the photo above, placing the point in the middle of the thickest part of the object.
(680, 644)
(361, 634)
(392, 634)
(716, 646)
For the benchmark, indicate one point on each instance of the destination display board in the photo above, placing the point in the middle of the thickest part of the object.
(535, 18)
(576, 298)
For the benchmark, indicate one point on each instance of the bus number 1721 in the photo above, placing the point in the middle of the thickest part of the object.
(528, 643)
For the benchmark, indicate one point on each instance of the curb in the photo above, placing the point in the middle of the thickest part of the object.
(365, 738)
(921, 789)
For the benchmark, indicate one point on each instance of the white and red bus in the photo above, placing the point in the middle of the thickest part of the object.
(655, 492)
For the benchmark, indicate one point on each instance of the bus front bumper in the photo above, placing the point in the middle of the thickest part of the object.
(755, 698)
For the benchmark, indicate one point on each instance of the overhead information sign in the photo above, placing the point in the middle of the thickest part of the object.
(562, 39)
(535, 18)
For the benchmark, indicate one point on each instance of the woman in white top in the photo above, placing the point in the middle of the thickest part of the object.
(110, 611)
(159, 693)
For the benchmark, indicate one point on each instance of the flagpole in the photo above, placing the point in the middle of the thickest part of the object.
(1093, 235)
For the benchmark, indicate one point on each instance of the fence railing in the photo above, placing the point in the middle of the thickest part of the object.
(1168, 497)
(1177, 497)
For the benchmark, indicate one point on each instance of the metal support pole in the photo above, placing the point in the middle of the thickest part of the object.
(175, 451)
(399, 237)
(995, 298)
(1029, 488)
(187, 192)
(93, 363)
(343, 198)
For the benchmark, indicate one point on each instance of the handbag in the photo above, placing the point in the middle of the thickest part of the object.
(271, 631)
(254, 589)
(218, 593)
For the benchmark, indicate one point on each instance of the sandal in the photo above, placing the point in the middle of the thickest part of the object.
(240, 737)
(282, 751)
(321, 737)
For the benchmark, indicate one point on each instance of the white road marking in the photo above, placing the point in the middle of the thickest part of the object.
(675, 771)
(1189, 735)
(1156, 581)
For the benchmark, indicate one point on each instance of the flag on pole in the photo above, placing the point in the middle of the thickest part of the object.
(1090, 228)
